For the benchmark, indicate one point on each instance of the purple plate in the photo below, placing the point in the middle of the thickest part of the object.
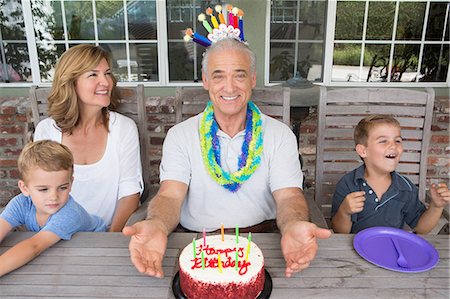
(376, 245)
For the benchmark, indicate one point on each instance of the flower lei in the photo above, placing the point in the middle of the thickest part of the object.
(248, 160)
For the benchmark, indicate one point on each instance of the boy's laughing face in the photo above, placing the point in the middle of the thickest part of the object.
(383, 150)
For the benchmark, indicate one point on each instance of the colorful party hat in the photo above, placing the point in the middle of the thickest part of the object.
(227, 23)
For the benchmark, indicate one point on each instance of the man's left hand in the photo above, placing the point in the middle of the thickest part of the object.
(299, 245)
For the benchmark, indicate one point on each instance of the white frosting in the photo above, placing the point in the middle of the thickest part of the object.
(211, 273)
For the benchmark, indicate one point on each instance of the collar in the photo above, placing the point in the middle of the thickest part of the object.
(399, 182)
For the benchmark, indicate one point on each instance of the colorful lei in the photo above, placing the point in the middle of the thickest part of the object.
(248, 160)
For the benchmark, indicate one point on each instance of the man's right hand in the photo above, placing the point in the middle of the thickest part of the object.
(147, 246)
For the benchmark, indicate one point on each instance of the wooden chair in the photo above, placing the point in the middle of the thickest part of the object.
(338, 113)
(132, 104)
(274, 102)
(271, 101)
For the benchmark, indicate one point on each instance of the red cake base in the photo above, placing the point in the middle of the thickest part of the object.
(195, 289)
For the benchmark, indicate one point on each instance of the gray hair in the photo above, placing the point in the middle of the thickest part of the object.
(228, 44)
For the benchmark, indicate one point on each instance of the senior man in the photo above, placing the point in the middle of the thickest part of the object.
(228, 165)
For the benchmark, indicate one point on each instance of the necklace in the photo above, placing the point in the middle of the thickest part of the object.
(251, 150)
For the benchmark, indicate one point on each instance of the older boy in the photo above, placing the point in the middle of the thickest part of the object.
(374, 194)
(45, 206)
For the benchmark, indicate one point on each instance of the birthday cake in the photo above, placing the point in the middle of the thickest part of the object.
(202, 276)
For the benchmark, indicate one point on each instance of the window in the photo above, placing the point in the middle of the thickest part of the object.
(14, 58)
(296, 39)
(126, 28)
(391, 41)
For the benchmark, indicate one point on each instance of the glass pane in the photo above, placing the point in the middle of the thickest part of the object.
(346, 59)
(380, 20)
(283, 19)
(309, 63)
(144, 62)
(48, 55)
(180, 15)
(312, 20)
(11, 21)
(410, 20)
(14, 59)
(17, 64)
(110, 19)
(281, 61)
(436, 22)
(182, 57)
(376, 61)
(404, 64)
(79, 18)
(349, 20)
(47, 20)
(142, 19)
(435, 63)
(119, 60)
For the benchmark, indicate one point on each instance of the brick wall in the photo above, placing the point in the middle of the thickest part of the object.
(15, 124)
(13, 130)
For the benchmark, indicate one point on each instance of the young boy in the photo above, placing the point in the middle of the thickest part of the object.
(374, 194)
(44, 206)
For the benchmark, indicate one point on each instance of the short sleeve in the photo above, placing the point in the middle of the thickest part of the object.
(285, 168)
(15, 211)
(130, 181)
(175, 162)
(47, 130)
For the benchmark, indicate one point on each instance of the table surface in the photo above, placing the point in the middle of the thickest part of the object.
(97, 265)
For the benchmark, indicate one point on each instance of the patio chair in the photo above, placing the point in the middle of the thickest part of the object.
(340, 110)
(132, 104)
(274, 102)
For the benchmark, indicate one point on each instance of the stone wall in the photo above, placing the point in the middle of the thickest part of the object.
(15, 126)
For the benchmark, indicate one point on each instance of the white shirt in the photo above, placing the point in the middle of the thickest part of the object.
(97, 187)
(209, 205)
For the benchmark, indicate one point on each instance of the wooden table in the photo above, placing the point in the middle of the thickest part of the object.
(97, 265)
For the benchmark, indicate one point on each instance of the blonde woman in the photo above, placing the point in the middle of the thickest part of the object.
(105, 144)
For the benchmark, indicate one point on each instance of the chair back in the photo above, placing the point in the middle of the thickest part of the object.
(339, 112)
(274, 102)
(131, 104)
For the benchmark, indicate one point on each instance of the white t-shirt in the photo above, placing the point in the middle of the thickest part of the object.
(209, 205)
(98, 187)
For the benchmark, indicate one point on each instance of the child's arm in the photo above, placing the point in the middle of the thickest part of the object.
(352, 203)
(5, 228)
(440, 196)
(25, 251)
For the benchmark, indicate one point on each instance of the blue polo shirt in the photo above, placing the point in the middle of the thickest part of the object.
(400, 204)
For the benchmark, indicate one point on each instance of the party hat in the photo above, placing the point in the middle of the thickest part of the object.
(226, 23)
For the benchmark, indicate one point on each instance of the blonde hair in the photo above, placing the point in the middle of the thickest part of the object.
(366, 124)
(63, 99)
(45, 154)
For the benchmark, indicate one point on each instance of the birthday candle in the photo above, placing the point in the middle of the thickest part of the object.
(202, 18)
(209, 12)
(221, 231)
(241, 23)
(204, 238)
(203, 260)
(193, 245)
(235, 11)
(219, 263)
(198, 38)
(230, 14)
(237, 234)
(248, 246)
(218, 9)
